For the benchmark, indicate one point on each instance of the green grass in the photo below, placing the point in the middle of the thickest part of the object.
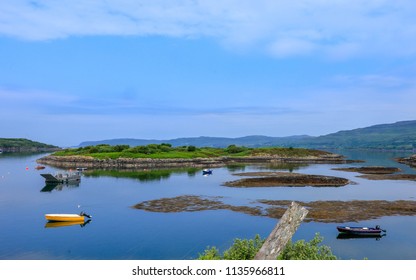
(166, 151)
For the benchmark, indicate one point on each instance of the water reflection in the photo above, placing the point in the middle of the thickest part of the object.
(52, 224)
(146, 175)
(143, 175)
(283, 166)
(58, 187)
(355, 236)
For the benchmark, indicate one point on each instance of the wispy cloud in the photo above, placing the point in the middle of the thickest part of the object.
(336, 29)
(380, 82)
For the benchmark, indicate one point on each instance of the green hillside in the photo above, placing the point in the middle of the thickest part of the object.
(395, 136)
(400, 135)
(24, 145)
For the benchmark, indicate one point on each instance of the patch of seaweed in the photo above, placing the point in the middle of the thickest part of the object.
(408, 177)
(191, 203)
(345, 211)
(319, 211)
(370, 169)
(286, 179)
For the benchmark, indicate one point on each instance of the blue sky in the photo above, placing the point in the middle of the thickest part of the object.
(72, 71)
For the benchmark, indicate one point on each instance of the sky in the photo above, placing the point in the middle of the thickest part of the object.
(75, 70)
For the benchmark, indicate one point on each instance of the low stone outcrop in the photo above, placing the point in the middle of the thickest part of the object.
(286, 179)
(370, 169)
(411, 161)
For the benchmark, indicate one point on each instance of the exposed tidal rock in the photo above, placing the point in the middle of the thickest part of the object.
(411, 161)
(286, 179)
(346, 211)
(408, 177)
(319, 211)
(370, 169)
(191, 203)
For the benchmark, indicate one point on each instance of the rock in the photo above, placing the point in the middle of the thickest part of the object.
(411, 160)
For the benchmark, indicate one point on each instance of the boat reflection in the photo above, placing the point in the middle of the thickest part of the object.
(57, 187)
(51, 224)
(355, 236)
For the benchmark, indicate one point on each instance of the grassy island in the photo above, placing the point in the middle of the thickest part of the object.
(167, 151)
(11, 145)
(166, 156)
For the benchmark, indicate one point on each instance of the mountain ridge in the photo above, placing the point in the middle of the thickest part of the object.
(398, 135)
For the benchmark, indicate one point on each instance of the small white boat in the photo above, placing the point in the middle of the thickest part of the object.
(66, 217)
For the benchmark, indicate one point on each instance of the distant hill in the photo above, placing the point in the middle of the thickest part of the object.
(399, 135)
(24, 145)
(204, 141)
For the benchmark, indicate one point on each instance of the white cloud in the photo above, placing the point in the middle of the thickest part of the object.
(338, 28)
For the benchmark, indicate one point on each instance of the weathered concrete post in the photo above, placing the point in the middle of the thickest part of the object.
(282, 233)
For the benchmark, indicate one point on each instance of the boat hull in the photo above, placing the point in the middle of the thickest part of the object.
(360, 231)
(64, 218)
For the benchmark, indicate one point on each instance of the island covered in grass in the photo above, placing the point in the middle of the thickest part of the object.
(165, 155)
(22, 145)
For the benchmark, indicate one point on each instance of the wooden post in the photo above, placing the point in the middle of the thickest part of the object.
(282, 233)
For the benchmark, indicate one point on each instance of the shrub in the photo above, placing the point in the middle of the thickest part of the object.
(301, 250)
(233, 149)
(191, 149)
(211, 253)
(243, 249)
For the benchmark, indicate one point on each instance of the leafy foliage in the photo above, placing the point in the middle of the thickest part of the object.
(21, 142)
(302, 250)
(167, 151)
(243, 249)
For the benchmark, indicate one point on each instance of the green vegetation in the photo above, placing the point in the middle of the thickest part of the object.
(301, 250)
(165, 150)
(246, 249)
(24, 145)
(242, 249)
(144, 176)
(399, 135)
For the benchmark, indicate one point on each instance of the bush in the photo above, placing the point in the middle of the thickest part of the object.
(191, 149)
(233, 149)
(211, 253)
(301, 250)
(243, 249)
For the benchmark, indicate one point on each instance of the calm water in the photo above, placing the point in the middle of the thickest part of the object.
(118, 231)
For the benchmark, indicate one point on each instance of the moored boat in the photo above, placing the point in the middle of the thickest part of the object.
(362, 231)
(67, 217)
(66, 178)
(207, 172)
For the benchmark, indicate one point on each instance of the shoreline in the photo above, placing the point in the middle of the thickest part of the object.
(136, 163)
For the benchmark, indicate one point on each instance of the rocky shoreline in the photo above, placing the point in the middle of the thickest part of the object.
(137, 163)
(410, 161)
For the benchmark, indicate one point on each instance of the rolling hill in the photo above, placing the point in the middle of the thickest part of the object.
(395, 136)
